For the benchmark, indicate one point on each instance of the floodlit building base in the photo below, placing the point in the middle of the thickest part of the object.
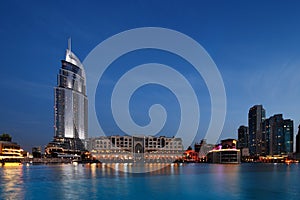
(132, 149)
(274, 159)
(129, 157)
(10, 153)
(224, 156)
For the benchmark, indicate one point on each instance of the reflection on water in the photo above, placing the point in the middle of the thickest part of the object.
(226, 179)
(11, 183)
(150, 168)
(191, 181)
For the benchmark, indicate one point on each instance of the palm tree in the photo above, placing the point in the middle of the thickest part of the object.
(5, 137)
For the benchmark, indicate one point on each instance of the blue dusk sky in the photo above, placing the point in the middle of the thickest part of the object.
(255, 45)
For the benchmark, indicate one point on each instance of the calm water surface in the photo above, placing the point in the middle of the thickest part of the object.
(193, 181)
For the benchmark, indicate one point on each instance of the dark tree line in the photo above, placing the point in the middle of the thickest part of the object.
(5, 137)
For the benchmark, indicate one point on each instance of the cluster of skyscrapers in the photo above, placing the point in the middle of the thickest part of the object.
(266, 136)
(262, 137)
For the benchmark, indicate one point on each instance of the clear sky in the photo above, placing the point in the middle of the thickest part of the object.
(255, 45)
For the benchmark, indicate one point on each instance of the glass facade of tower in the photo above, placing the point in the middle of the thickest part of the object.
(71, 116)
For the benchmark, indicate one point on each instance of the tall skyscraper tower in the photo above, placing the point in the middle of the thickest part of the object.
(71, 103)
(256, 116)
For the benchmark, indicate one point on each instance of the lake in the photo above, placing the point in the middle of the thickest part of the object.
(188, 181)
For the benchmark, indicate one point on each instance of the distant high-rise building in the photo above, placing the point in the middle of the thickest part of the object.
(265, 129)
(71, 103)
(256, 116)
(278, 135)
(298, 141)
(243, 137)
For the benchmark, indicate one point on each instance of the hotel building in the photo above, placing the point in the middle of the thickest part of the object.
(70, 107)
(71, 100)
(136, 148)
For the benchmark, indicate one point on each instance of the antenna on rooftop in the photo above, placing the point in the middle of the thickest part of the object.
(69, 43)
